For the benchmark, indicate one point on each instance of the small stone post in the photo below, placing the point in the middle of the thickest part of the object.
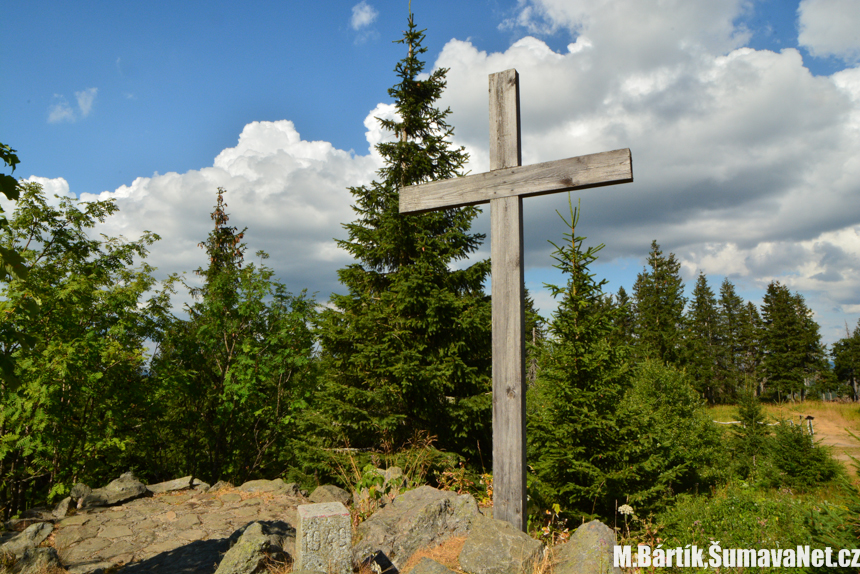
(324, 538)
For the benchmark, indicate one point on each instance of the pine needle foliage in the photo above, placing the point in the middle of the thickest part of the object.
(703, 341)
(750, 439)
(574, 438)
(659, 308)
(407, 348)
(793, 355)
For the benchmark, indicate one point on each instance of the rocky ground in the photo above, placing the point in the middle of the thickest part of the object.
(171, 528)
(185, 531)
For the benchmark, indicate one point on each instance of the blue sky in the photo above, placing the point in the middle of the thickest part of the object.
(742, 116)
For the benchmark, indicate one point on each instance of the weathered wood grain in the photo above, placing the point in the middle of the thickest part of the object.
(594, 170)
(506, 256)
(505, 142)
(504, 188)
(509, 396)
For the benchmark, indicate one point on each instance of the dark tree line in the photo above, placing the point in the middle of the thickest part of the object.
(727, 345)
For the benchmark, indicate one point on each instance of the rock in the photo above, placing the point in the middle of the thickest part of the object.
(378, 563)
(176, 484)
(31, 537)
(496, 547)
(415, 519)
(38, 512)
(20, 524)
(249, 554)
(91, 568)
(330, 493)
(79, 492)
(428, 566)
(324, 538)
(126, 487)
(38, 561)
(589, 551)
(64, 508)
(277, 486)
(220, 485)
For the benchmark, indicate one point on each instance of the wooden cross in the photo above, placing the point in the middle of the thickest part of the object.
(504, 187)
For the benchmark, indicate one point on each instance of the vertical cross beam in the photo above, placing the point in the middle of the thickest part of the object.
(506, 251)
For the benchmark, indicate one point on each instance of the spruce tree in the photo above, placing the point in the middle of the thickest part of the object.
(659, 308)
(750, 439)
(750, 347)
(731, 319)
(624, 321)
(846, 361)
(575, 446)
(703, 341)
(407, 348)
(793, 355)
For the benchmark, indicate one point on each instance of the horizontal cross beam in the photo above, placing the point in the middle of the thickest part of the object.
(594, 170)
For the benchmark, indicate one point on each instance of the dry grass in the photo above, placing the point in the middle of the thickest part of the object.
(833, 423)
(447, 554)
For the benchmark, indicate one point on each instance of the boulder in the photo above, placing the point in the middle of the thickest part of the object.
(126, 487)
(183, 483)
(64, 508)
(250, 553)
(79, 492)
(220, 485)
(428, 566)
(330, 493)
(496, 547)
(38, 561)
(415, 519)
(589, 551)
(31, 537)
(277, 486)
(42, 513)
(20, 524)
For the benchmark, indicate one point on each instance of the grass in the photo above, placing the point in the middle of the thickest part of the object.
(833, 422)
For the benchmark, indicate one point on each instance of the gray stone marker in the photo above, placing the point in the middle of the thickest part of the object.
(324, 538)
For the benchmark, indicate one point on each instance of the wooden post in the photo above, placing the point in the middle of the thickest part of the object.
(503, 187)
(506, 251)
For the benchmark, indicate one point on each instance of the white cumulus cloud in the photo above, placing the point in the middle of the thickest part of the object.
(745, 164)
(290, 193)
(830, 28)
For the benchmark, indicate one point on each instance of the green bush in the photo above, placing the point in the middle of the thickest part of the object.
(796, 461)
(671, 443)
(741, 516)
